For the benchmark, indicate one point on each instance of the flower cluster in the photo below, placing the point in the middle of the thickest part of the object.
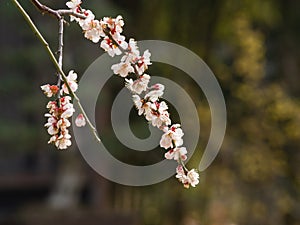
(60, 110)
(58, 123)
(147, 99)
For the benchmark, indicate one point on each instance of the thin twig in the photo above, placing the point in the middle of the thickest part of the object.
(56, 64)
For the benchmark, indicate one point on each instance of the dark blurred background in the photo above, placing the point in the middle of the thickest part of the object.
(253, 48)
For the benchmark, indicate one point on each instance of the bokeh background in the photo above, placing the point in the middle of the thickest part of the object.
(252, 46)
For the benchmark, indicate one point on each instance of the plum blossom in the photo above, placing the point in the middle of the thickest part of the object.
(73, 4)
(143, 62)
(180, 174)
(177, 153)
(111, 48)
(160, 115)
(191, 178)
(122, 68)
(138, 102)
(156, 92)
(143, 107)
(172, 135)
(61, 141)
(71, 78)
(161, 119)
(93, 30)
(58, 123)
(80, 120)
(133, 49)
(49, 90)
(91, 27)
(139, 85)
(114, 25)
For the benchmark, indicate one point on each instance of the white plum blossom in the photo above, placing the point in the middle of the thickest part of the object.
(156, 92)
(181, 176)
(111, 48)
(122, 68)
(62, 141)
(119, 23)
(138, 102)
(193, 177)
(139, 85)
(171, 137)
(161, 120)
(51, 124)
(114, 25)
(71, 79)
(80, 120)
(73, 4)
(133, 50)
(143, 107)
(149, 108)
(160, 115)
(143, 62)
(177, 153)
(93, 31)
(84, 23)
(58, 123)
(49, 90)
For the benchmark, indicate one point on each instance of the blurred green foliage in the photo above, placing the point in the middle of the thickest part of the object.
(252, 47)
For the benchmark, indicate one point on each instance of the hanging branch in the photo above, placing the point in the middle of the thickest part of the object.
(53, 59)
(109, 30)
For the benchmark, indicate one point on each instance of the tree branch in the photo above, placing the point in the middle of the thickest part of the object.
(58, 13)
(46, 9)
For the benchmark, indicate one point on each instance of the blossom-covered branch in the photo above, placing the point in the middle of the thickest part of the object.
(147, 99)
(60, 109)
(132, 67)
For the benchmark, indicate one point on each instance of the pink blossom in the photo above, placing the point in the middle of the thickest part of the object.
(80, 120)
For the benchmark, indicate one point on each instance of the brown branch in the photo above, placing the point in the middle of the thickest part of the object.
(46, 9)
(58, 13)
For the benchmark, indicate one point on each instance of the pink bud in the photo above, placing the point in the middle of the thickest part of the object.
(80, 120)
